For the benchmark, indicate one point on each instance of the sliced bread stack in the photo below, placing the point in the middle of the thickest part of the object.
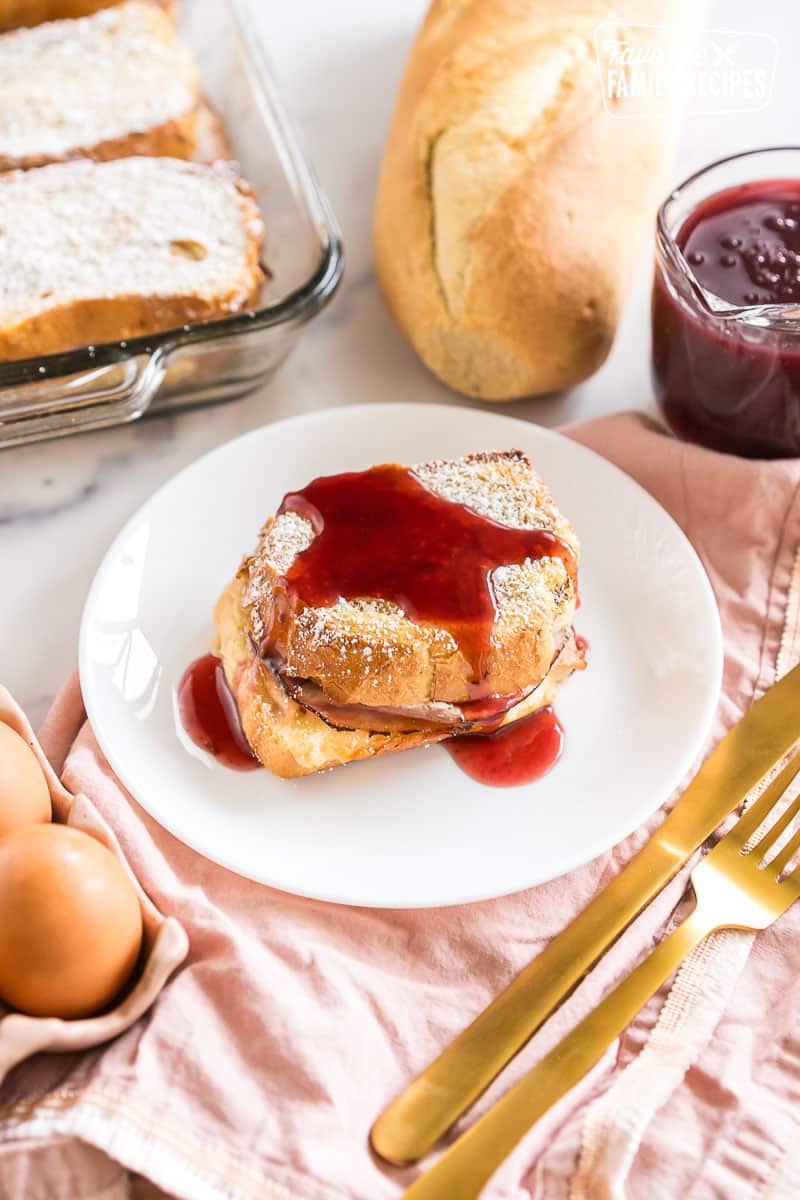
(106, 231)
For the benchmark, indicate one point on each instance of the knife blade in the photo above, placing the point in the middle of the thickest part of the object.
(426, 1109)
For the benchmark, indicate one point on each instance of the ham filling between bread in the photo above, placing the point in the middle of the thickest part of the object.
(435, 717)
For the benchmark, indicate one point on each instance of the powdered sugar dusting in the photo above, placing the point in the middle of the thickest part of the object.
(68, 85)
(366, 626)
(287, 536)
(502, 486)
(533, 593)
(134, 226)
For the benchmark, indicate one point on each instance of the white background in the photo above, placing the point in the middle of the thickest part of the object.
(338, 66)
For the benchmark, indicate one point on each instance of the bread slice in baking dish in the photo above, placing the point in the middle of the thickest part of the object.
(112, 84)
(360, 678)
(16, 13)
(93, 252)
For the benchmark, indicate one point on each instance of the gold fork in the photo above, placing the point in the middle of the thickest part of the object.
(734, 889)
(428, 1106)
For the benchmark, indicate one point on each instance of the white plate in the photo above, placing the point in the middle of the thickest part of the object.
(408, 830)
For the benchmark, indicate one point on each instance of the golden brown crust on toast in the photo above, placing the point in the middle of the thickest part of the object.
(92, 322)
(199, 136)
(176, 138)
(368, 652)
(289, 739)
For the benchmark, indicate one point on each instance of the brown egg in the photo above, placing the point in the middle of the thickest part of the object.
(24, 795)
(70, 922)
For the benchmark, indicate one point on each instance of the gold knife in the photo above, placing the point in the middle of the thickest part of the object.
(423, 1113)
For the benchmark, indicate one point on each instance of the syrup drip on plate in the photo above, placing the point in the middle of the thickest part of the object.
(382, 533)
(210, 717)
(513, 755)
(510, 756)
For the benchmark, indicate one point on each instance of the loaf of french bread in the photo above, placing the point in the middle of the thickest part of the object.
(512, 203)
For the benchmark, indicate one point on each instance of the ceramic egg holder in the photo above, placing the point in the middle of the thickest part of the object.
(164, 941)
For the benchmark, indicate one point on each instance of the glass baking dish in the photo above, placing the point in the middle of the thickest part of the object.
(115, 382)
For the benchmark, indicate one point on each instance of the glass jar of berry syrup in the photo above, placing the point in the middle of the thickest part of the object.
(726, 305)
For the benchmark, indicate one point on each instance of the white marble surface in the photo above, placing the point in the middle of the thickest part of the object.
(338, 65)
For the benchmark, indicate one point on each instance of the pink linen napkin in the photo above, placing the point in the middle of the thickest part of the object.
(262, 1065)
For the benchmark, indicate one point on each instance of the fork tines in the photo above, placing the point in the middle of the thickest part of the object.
(748, 832)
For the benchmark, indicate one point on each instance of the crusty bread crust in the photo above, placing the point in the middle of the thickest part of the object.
(511, 206)
(368, 652)
(92, 322)
(177, 138)
(287, 738)
(290, 740)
